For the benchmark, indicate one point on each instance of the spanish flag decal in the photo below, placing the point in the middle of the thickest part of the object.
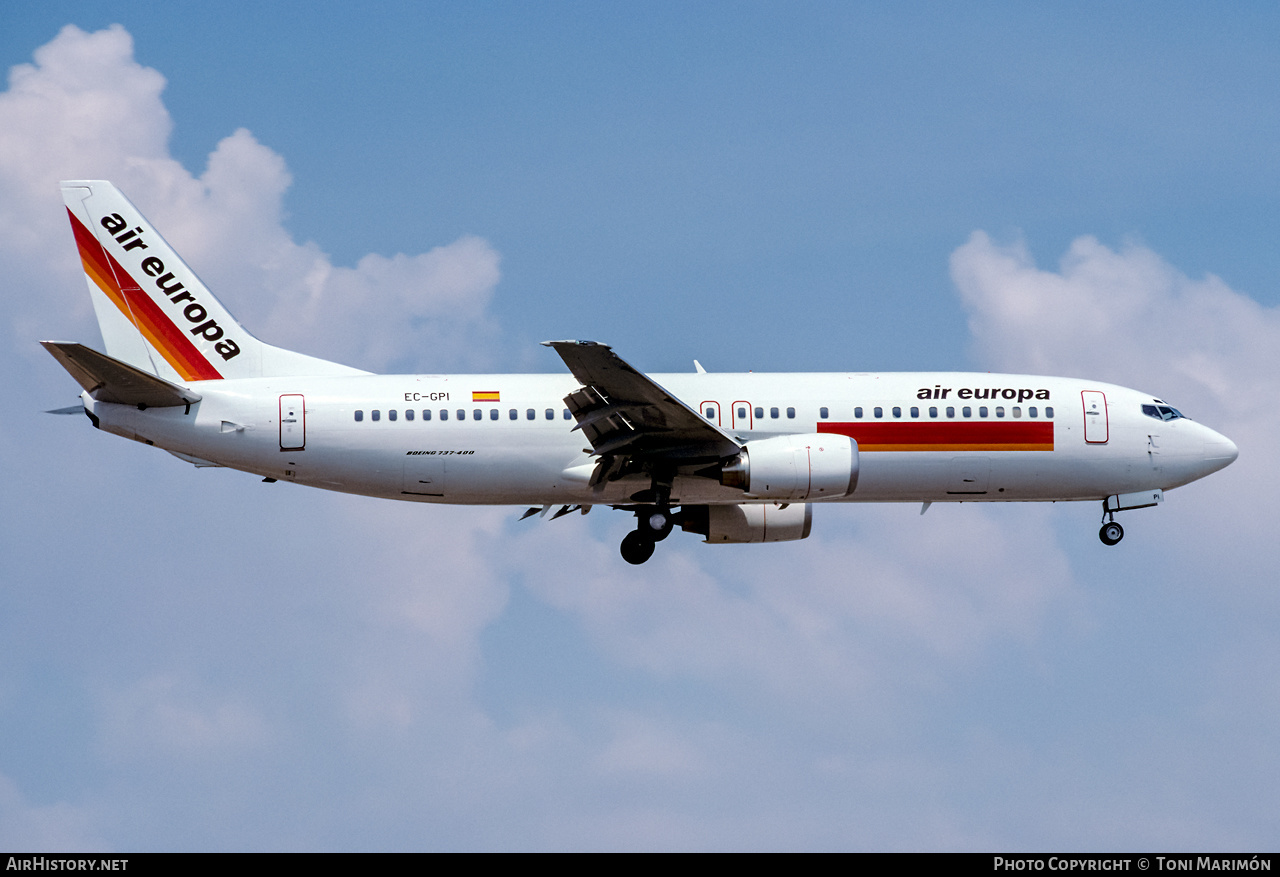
(485, 396)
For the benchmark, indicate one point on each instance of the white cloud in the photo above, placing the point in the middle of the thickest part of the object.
(166, 717)
(86, 109)
(59, 827)
(1124, 316)
(642, 746)
(820, 622)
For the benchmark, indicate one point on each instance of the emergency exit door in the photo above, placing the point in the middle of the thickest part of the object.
(293, 423)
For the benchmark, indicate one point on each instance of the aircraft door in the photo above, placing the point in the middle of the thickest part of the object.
(293, 423)
(1096, 425)
(741, 416)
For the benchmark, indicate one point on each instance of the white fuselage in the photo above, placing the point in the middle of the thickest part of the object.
(1022, 438)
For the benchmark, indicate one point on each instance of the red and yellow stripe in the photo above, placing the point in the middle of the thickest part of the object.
(140, 309)
(485, 396)
(1007, 435)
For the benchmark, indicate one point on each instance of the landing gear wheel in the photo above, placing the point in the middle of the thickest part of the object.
(637, 547)
(1111, 533)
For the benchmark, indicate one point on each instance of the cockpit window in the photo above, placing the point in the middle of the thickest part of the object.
(1162, 412)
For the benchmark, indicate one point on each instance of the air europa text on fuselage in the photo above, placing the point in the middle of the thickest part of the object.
(1019, 394)
(165, 281)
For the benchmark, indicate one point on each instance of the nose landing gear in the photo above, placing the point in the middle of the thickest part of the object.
(1111, 532)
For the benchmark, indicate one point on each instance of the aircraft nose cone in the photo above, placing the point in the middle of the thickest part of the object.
(1220, 451)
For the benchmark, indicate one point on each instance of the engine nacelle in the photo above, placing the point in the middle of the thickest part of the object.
(749, 522)
(791, 467)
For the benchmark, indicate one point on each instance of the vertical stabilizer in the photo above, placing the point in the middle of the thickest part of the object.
(154, 312)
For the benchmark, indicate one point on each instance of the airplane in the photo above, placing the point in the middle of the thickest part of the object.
(735, 458)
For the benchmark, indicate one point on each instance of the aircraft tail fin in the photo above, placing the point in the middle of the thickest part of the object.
(110, 380)
(154, 312)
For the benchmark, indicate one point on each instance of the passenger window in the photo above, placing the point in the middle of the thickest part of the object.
(493, 413)
(933, 412)
(897, 412)
(857, 412)
(982, 411)
(513, 415)
(530, 414)
(462, 414)
(426, 413)
(408, 414)
(375, 415)
(791, 414)
(999, 411)
(822, 412)
(1016, 411)
(711, 413)
(742, 413)
(444, 413)
(915, 412)
(966, 411)
(567, 415)
(1031, 412)
(391, 415)
(759, 414)
(477, 414)
(551, 415)
(1048, 412)
(878, 412)
(359, 415)
(773, 413)
(951, 412)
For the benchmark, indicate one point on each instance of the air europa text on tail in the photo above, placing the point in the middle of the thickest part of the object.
(152, 266)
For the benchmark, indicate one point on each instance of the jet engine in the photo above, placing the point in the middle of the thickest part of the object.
(791, 467)
(749, 522)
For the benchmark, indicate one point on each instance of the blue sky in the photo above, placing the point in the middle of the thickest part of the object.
(194, 660)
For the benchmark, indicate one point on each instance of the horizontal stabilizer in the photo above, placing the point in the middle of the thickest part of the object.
(110, 380)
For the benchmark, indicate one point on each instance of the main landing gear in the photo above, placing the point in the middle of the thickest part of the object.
(653, 524)
(654, 519)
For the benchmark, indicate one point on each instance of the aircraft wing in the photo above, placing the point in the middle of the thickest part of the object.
(623, 413)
